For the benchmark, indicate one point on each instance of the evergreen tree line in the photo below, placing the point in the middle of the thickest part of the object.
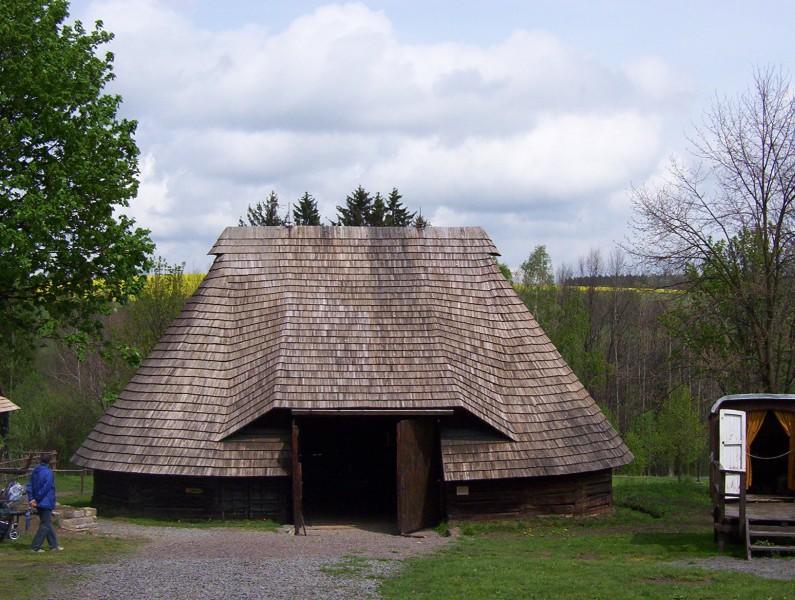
(360, 209)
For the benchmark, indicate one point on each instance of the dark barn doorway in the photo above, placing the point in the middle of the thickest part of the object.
(348, 466)
(379, 470)
(769, 458)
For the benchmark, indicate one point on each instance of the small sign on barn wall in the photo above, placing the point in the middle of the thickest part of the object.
(194, 491)
(462, 490)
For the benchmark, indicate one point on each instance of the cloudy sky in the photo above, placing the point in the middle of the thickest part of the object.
(531, 119)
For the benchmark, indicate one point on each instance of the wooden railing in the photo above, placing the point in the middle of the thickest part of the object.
(26, 461)
(719, 495)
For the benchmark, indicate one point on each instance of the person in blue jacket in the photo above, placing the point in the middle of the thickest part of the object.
(41, 494)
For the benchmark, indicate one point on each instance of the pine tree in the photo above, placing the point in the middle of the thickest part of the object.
(421, 222)
(397, 215)
(357, 209)
(305, 212)
(377, 216)
(266, 213)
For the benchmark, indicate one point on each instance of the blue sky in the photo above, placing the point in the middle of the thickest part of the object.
(531, 119)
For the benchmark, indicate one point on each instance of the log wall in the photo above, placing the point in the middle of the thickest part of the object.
(174, 496)
(581, 494)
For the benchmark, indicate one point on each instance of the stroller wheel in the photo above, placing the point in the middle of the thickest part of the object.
(13, 535)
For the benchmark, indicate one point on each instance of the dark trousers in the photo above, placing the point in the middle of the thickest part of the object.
(45, 530)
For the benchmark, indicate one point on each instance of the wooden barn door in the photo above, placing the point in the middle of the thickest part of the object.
(417, 474)
(298, 481)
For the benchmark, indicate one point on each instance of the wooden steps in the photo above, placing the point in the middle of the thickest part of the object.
(756, 530)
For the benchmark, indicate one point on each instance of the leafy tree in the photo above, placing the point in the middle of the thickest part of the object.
(642, 440)
(67, 165)
(397, 215)
(727, 225)
(505, 270)
(377, 216)
(538, 282)
(266, 213)
(157, 305)
(357, 210)
(680, 432)
(305, 212)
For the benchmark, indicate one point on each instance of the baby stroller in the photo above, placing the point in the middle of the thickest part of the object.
(12, 506)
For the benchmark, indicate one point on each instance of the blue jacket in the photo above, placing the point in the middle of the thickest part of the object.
(41, 487)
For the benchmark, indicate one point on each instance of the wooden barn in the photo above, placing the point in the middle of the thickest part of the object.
(752, 475)
(341, 372)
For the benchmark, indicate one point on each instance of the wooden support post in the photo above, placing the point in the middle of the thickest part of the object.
(298, 483)
(82, 481)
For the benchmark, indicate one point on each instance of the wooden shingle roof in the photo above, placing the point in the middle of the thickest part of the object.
(353, 318)
(6, 405)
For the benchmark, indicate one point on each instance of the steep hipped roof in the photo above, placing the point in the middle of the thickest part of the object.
(6, 405)
(345, 317)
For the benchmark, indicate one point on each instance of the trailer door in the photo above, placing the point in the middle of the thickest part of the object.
(731, 432)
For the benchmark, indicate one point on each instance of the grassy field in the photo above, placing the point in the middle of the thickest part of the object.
(641, 551)
(24, 574)
(67, 486)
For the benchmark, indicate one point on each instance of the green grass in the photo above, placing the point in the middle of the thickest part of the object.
(68, 489)
(258, 524)
(349, 566)
(629, 554)
(28, 575)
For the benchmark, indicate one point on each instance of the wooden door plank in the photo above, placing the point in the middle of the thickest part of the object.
(417, 497)
(298, 481)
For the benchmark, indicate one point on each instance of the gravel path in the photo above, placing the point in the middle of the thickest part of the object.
(234, 564)
(771, 568)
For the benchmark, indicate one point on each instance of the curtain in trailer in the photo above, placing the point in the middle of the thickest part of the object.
(753, 420)
(787, 420)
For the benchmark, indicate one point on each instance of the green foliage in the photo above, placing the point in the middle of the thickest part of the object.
(27, 576)
(726, 224)
(624, 556)
(263, 214)
(362, 209)
(67, 164)
(156, 306)
(681, 435)
(357, 210)
(397, 215)
(538, 284)
(377, 216)
(305, 212)
(54, 416)
(505, 270)
(420, 222)
(641, 438)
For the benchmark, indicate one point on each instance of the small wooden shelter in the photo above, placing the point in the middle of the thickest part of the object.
(322, 371)
(752, 474)
(6, 408)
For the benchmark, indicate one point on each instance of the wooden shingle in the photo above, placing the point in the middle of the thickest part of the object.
(324, 318)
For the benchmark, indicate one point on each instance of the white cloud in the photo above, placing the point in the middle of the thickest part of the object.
(528, 130)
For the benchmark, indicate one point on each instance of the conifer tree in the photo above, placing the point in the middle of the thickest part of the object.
(357, 209)
(421, 222)
(305, 212)
(397, 215)
(377, 216)
(266, 213)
